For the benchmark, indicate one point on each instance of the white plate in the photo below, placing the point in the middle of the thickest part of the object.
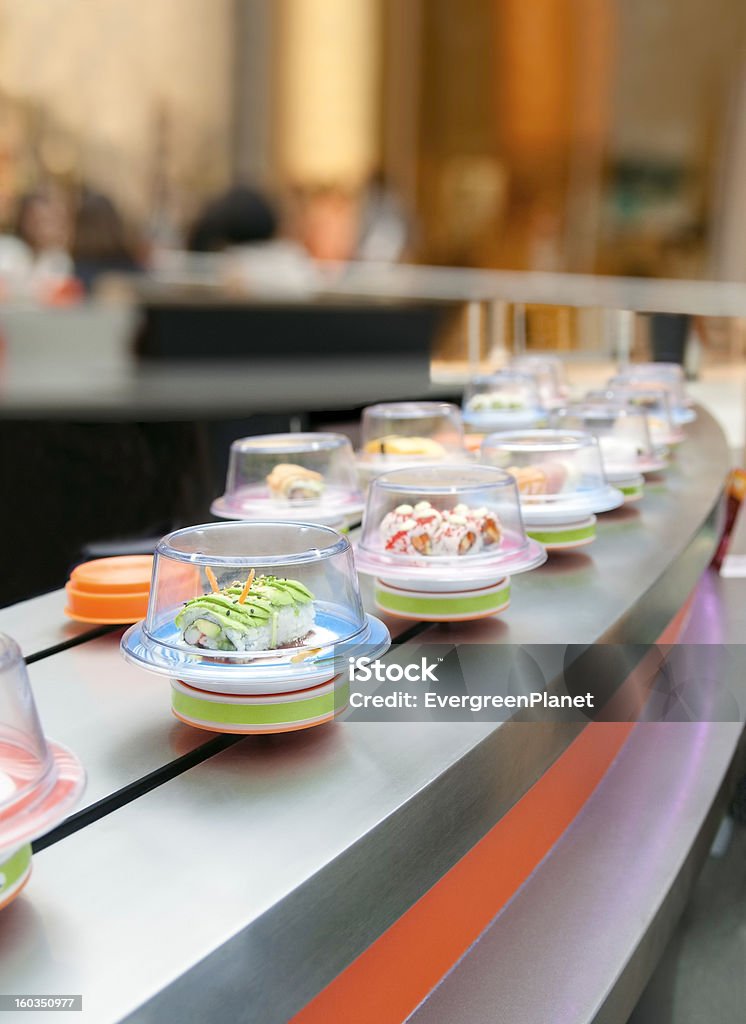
(262, 672)
(323, 513)
(575, 506)
(513, 556)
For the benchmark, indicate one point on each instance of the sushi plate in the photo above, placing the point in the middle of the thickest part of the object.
(632, 486)
(654, 464)
(251, 715)
(617, 470)
(337, 508)
(493, 421)
(566, 536)
(429, 605)
(46, 804)
(571, 509)
(15, 869)
(515, 554)
(261, 672)
(671, 439)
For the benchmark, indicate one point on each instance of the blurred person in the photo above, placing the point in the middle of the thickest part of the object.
(242, 226)
(385, 227)
(16, 259)
(101, 243)
(240, 216)
(328, 222)
(42, 223)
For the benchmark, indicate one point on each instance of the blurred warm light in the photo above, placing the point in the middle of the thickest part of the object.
(328, 90)
(587, 135)
(99, 71)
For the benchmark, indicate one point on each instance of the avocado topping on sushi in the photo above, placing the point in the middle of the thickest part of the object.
(263, 613)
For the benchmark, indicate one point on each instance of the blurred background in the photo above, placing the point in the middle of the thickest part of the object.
(600, 136)
(224, 217)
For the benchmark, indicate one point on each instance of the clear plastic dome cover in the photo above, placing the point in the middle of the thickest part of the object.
(38, 780)
(502, 401)
(548, 372)
(243, 591)
(550, 466)
(291, 476)
(445, 520)
(26, 763)
(397, 434)
(622, 432)
(649, 376)
(654, 401)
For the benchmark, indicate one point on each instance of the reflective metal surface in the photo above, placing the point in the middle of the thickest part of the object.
(250, 880)
(651, 822)
(578, 942)
(114, 716)
(171, 392)
(40, 623)
(387, 280)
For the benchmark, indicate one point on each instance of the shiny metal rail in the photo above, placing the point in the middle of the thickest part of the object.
(385, 280)
(579, 941)
(40, 624)
(396, 281)
(251, 875)
(126, 391)
(612, 934)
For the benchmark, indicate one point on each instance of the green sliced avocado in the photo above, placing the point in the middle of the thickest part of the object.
(275, 594)
(299, 591)
(211, 629)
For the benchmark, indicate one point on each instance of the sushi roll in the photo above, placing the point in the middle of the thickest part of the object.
(411, 528)
(395, 529)
(263, 614)
(557, 474)
(295, 483)
(494, 402)
(393, 444)
(456, 536)
(542, 478)
(427, 522)
(424, 530)
(530, 479)
(485, 522)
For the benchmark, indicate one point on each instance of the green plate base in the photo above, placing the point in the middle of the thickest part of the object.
(14, 872)
(256, 714)
(456, 606)
(566, 537)
(632, 488)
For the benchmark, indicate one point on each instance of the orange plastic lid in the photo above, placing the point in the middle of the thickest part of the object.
(109, 591)
(105, 608)
(123, 574)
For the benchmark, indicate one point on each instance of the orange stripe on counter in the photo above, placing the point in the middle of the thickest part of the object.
(389, 980)
(676, 626)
